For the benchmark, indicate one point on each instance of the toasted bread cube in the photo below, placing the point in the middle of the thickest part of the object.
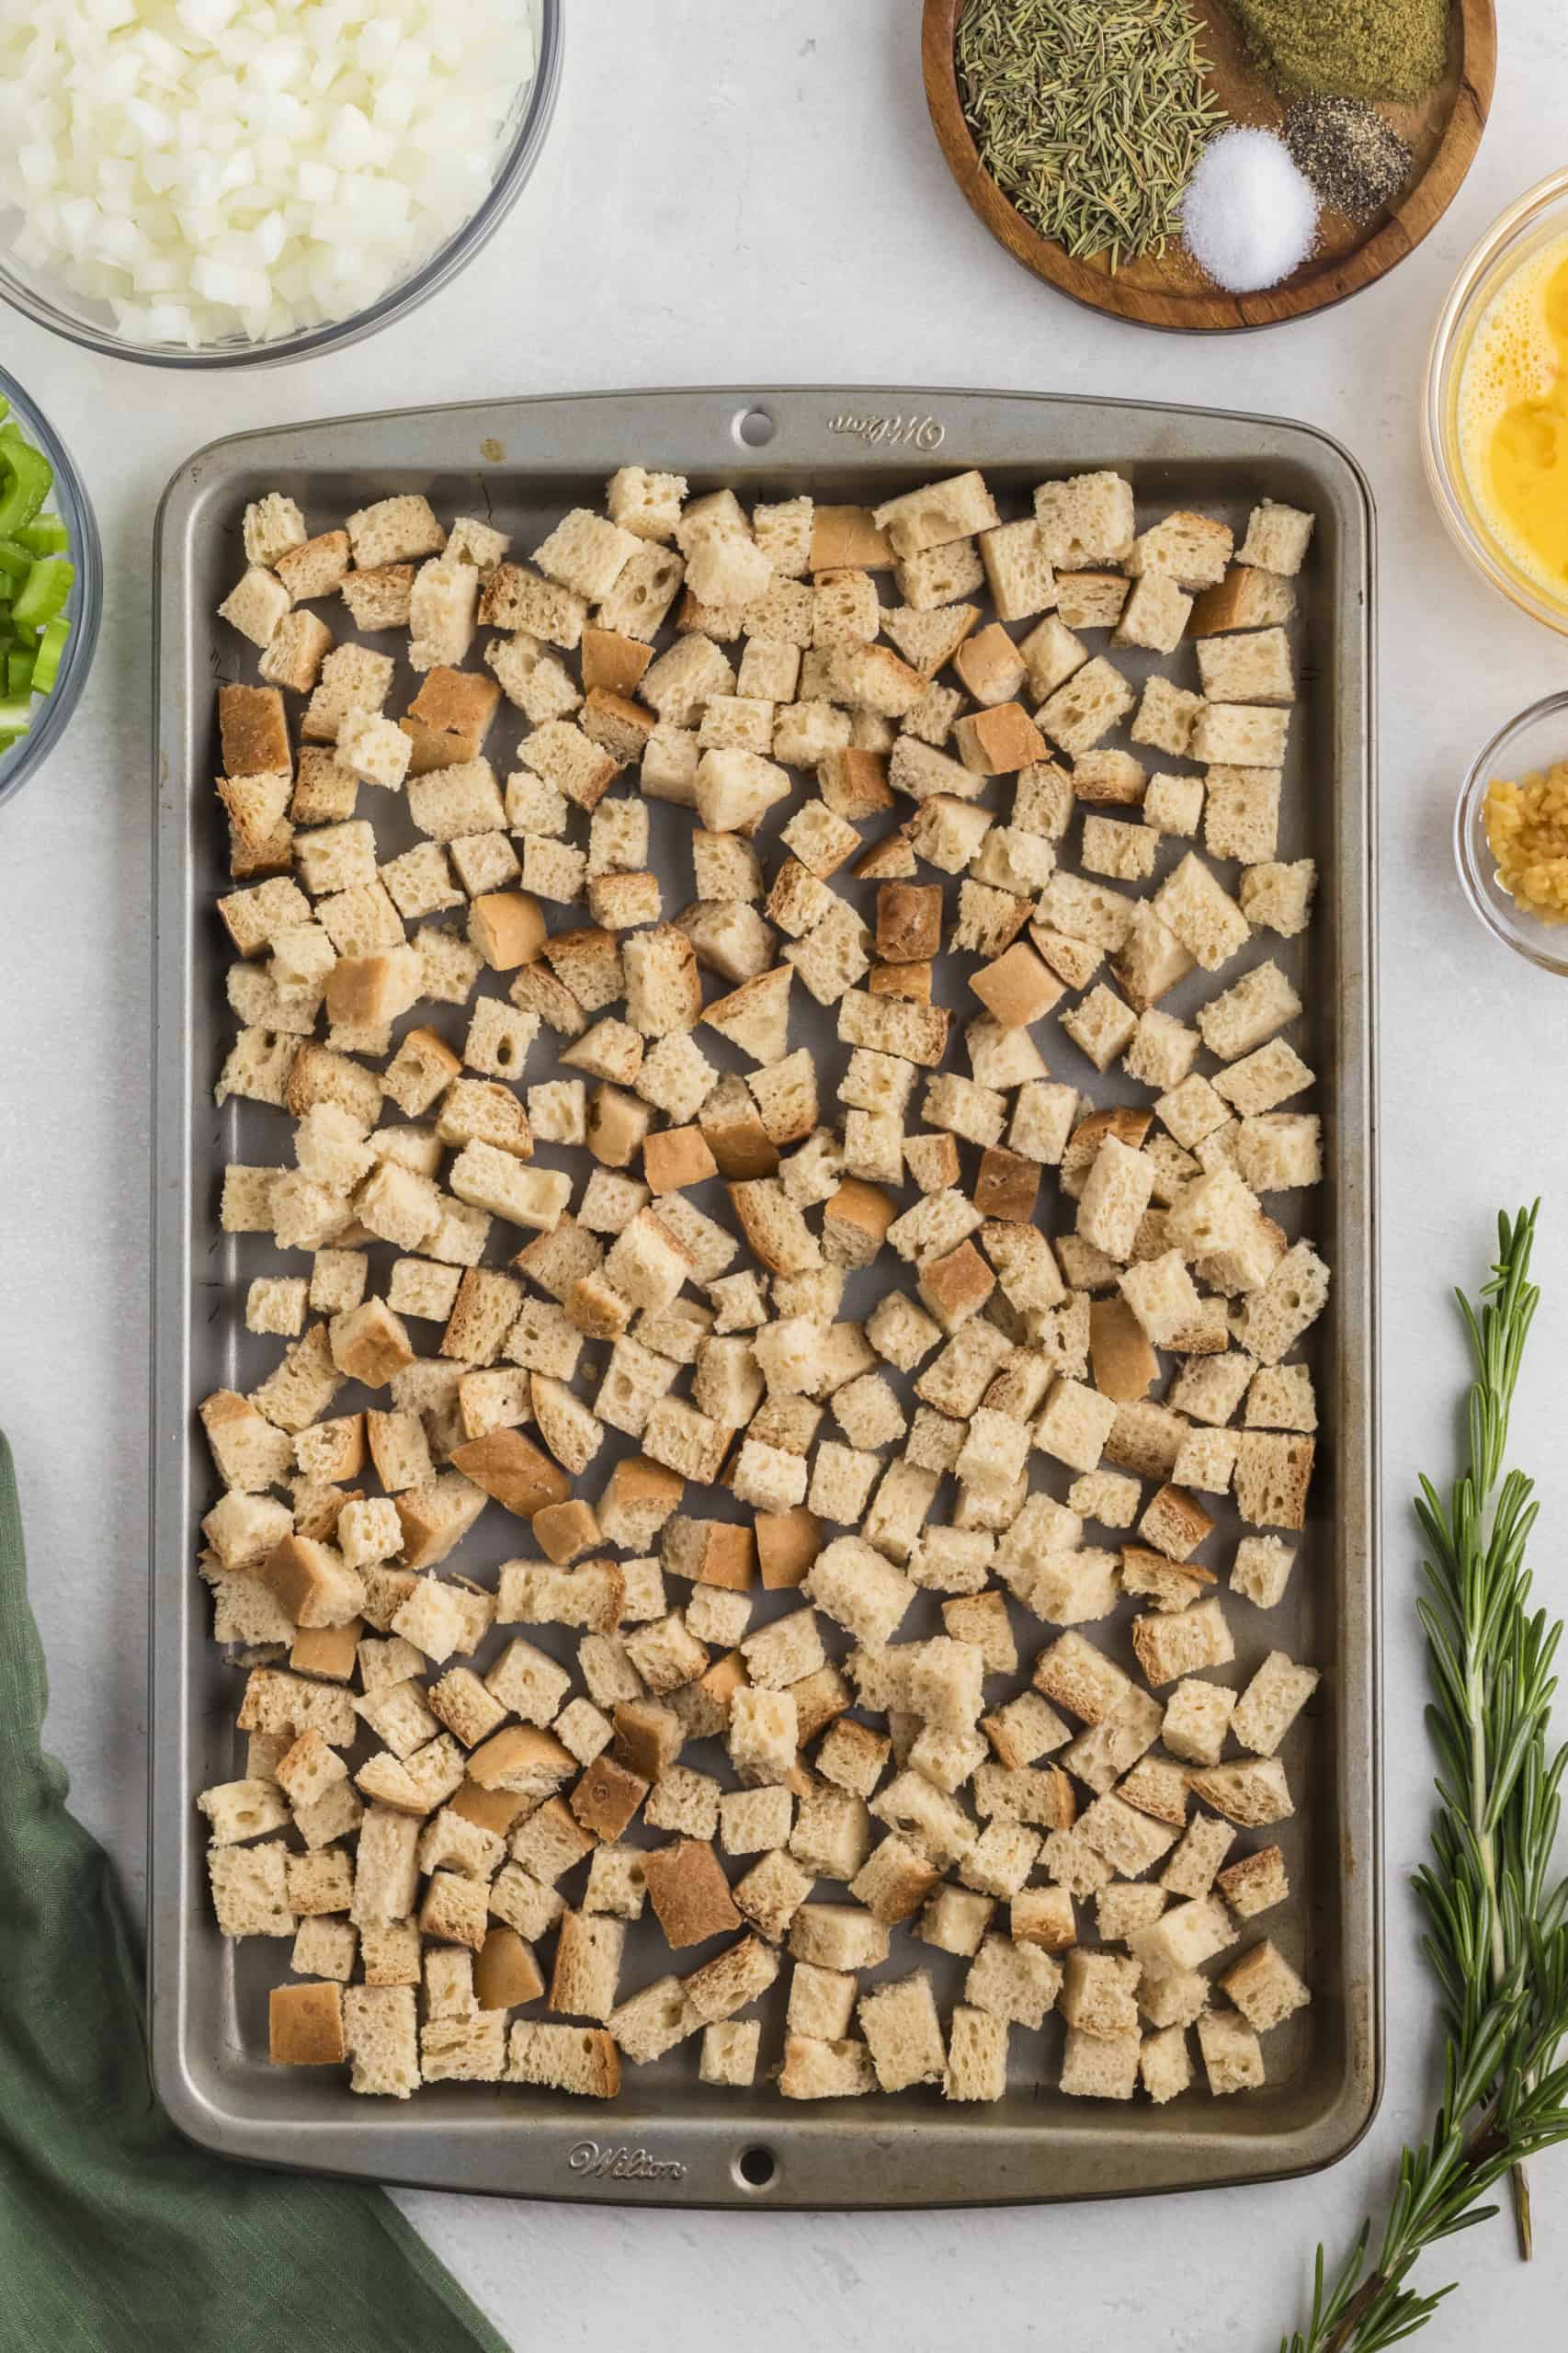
(1279, 897)
(566, 2058)
(1232, 2058)
(901, 2030)
(1090, 599)
(647, 505)
(1271, 1702)
(1051, 653)
(1198, 1716)
(932, 516)
(1016, 1981)
(1192, 1868)
(1264, 1987)
(1087, 519)
(305, 2026)
(1191, 548)
(1254, 1883)
(257, 606)
(1277, 538)
(1165, 720)
(689, 1893)
(250, 1889)
(1044, 1916)
(729, 2051)
(273, 525)
(1099, 1995)
(815, 2070)
(1248, 597)
(294, 654)
(1156, 615)
(822, 2001)
(1163, 2066)
(954, 1920)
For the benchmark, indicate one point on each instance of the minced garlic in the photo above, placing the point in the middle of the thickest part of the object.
(1526, 826)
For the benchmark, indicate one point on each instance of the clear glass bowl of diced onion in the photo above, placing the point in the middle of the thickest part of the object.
(51, 588)
(226, 209)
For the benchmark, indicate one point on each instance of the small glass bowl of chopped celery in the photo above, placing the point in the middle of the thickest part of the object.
(51, 588)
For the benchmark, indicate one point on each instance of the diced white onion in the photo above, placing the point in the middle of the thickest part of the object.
(218, 169)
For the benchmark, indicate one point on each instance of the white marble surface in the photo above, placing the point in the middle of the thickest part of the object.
(734, 193)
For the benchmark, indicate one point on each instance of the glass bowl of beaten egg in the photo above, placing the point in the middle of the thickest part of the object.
(1511, 834)
(1495, 421)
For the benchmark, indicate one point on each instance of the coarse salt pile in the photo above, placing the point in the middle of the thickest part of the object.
(210, 170)
(1249, 216)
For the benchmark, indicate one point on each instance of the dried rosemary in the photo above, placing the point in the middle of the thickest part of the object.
(1089, 115)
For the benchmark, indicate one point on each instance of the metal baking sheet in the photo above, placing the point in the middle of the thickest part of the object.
(669, 2138)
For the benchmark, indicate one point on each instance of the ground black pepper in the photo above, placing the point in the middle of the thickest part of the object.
(1355, 159)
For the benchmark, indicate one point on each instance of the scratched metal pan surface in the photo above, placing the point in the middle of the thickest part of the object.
(669, 2138)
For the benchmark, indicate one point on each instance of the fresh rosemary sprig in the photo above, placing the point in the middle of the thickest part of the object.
(1089, 115)
(1497, 1928)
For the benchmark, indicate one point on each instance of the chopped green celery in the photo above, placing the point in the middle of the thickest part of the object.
(44, 591)
(47, 660)
(31, 480)
(45, 535)
(37, 575)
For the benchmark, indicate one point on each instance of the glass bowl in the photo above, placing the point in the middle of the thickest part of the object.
(1515, 237)
(44, 300)
(1538, 738)
(83, 606)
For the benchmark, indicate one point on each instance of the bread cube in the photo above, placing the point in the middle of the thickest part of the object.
(1277, 538)
(1232, 2058)
(1255, 1883)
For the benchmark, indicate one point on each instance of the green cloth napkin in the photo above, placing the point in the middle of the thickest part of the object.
(116, 2235)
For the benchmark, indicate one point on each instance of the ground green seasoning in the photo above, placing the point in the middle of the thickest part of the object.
(1348, 48)
(1089, 115)
(1355, 159)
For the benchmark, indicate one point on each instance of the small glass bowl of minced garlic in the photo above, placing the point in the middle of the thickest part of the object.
(1511, 834)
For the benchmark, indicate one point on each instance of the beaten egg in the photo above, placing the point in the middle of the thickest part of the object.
(1513, 417)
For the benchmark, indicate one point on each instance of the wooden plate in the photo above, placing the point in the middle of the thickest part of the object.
(1443, 131)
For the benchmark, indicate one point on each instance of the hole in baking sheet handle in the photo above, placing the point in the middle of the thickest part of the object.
(756, 2168)
(755, 427)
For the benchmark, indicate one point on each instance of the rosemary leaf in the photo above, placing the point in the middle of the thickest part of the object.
(1497, 1926)
(1116, 86)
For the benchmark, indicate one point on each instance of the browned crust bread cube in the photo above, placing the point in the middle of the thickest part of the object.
(1017, 987)
(787, 1544)
(612, 661)
(608, 1797)
(845, 538)
(676, 1157)
(1007, 1186)
(1125, 1367)
(505, 1974)
(689, 1893)
(252, 730)
(509, 1467)
(909, 921)
(305, 2026)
